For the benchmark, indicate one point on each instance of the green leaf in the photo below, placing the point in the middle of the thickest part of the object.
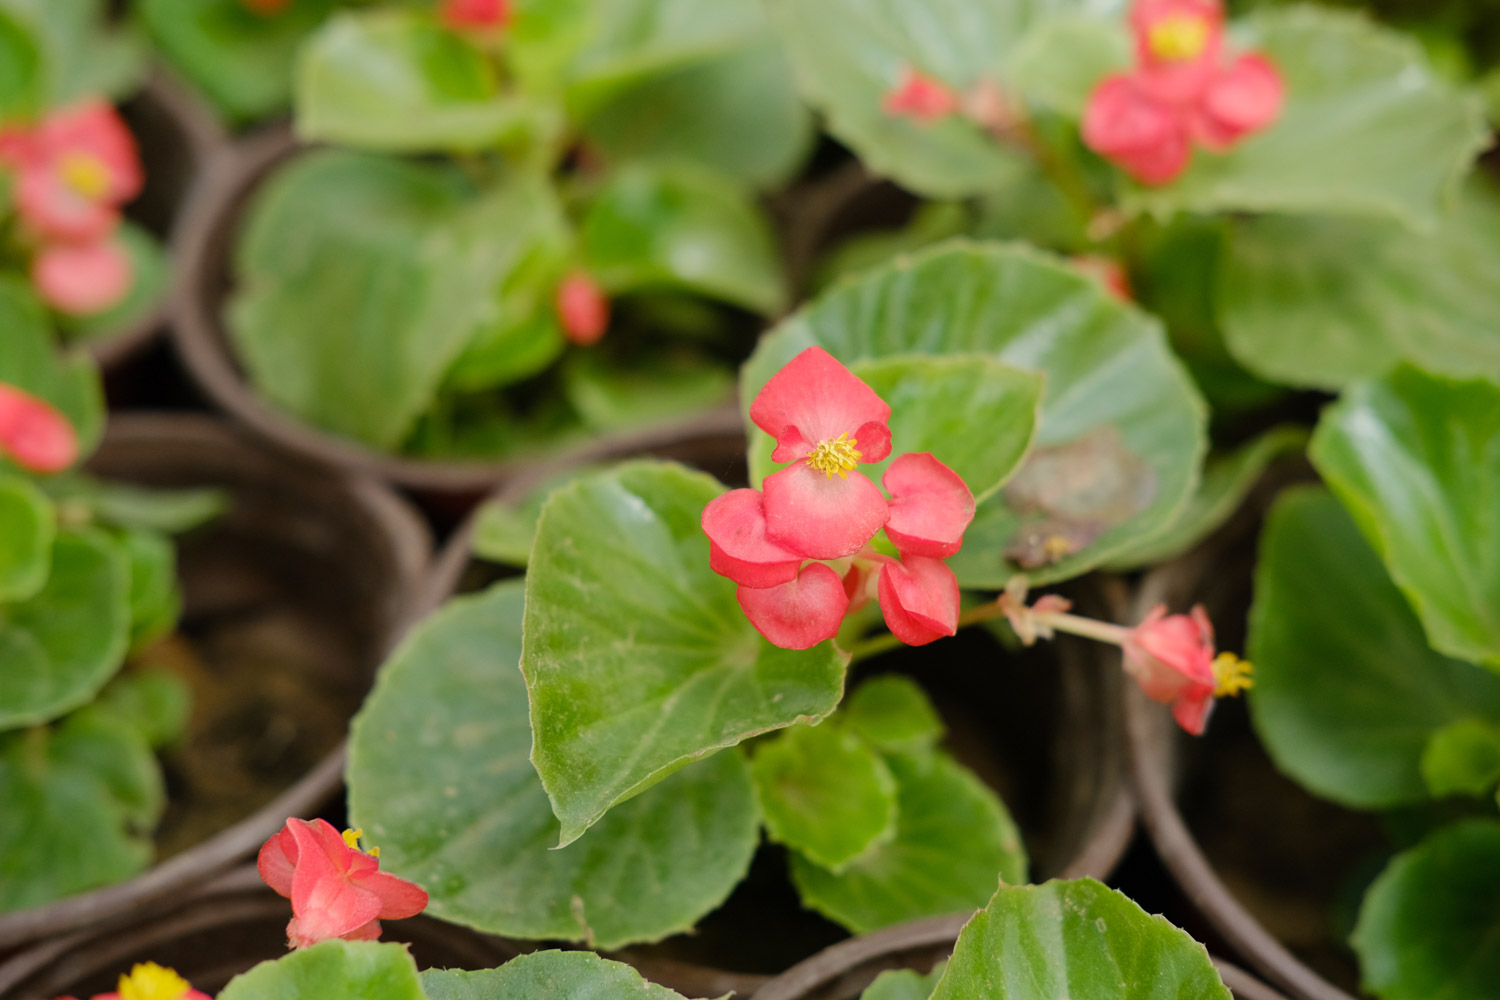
(153, 702)
(1428, 925)
(27, 529)
(637, 386)
(398, 81)
(682, 227)
(825, 794)
(240, 60)
(1227, 481)
(155, 601)
(926, 870)
(1416, 459)
(30, 361)
(80, 802)
(1075, 939)
(738, 113)
(357, 290)
(904, 984)
(1319, 302)
(61, 645)
(1367, 129)
(893, 713)
(149, 276)
(23, 74)
(1462, 758)
(503, 533)
(87, 54)
(1063, 59)
(546, 975)
(1121, 430)
(1347, 692)
(931, 222)
(126, 505)
(366, 970)
(439, 778)
(637, 656)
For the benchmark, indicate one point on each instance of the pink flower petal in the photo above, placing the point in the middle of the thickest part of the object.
(399, 898)
(582, 309)
(920, 97)
(874, 440)
(94, 129)
(930, 506)
(326, 903)
(1245, 97)
(476, 15)
(1192, 711)
(919, 599)
(34, 433)
(735, 524)
(1144, 136)
(365, 932)
(82, 279)
(819, 399)
(1178, 40)
(822, 517)
(53, 211)
(277, 860)
(799, 614)
(1171, 658)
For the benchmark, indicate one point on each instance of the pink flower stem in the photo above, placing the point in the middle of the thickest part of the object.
(1059, 621)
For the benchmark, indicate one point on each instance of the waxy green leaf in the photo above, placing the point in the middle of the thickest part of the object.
(893, 713)
(23, 74)
(126, 505)
(904, 984)
(1416, 459)
(87, 52)
(29, 360)
(546, 975)
(1462, 759)
(1121, 429)
(61, 645)
(1318, 302)
(439, 779)
(1428, 925)
(1347, 691)
(637, 656)
(925, 870)
(155, 601)
(27, 528)
(364, 969)
(825, 793)
(1075, 939)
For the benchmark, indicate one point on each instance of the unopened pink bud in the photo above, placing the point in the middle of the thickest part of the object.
(33, 433)
(582, 308)
(476, 15)
(920, 97)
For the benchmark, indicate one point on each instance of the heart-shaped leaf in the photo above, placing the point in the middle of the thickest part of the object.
(546, 975)
(441, 746)
(925, 871)
(1121, 428)
(1428, 925)
(30, 361)
(637, 656)
(27, 528)
(1416, 458)
(364, 969)
(893, 713)
(1347, 691)
(1075, 939)
(1316, 301)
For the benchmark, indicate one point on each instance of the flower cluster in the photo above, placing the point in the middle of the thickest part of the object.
(72, 172)
(800, 549)
(149, 981)
(33, 434)
(336, 889)
(1183, 92)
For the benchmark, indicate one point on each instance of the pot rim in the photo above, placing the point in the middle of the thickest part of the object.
(409, 544)
(202, 343)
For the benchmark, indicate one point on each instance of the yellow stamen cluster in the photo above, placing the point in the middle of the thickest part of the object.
(838, 455)
(351, 838)
(1232, 675)
(149, 981)
(1177, 39)
(85, 174)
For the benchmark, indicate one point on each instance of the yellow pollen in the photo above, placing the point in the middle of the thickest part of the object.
(838, 455)
(149, 981)
(351, 838)
(85, 174)
(1232, 675)
(1177, 39)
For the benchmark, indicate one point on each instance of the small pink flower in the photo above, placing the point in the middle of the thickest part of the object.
(1178, 43)
(476, 15)
(1108, 271)
(1145, 137)
(149, 981)
(33, 433)
(920, 97)
(1172, 658)
(582, 309)
(82, 279)
(337, 890)
(73, 172)
(1243, 98)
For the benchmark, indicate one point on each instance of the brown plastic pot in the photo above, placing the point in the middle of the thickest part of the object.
(845, 970)
(178, 138)
(203, 259)
(345, 556)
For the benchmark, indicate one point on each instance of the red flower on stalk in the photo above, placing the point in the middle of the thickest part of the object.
(73, 172)
(476, 15)
(1172, 658)
(1182, 93)
(33, 433)
(920, 97)
(337, 890)
(582, 309)
(149, 981)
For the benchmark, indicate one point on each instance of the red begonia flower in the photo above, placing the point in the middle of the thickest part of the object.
(1242, 98)
(476, 15)
(84, 278)
(33, 433)
(73, 172)
(738, 548)
(1145, 137)
(1172, 658)
(1178, 44)
(822, 516)
(582, 309)
(930, 506)
(919, 599)
(920, 97)
(799, 614)
(149, 981)
(337, 890)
